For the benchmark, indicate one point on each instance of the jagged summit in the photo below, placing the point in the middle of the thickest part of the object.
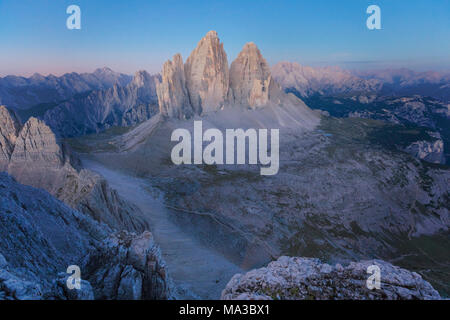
(142, 77)
(9, 130)
(104, 69)
(205, 84)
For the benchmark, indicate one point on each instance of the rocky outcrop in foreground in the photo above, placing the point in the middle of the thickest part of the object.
(207, 75)
(41, 237)
(307, 278)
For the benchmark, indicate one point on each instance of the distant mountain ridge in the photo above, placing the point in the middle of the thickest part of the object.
(41, 237)
(79, 104)
(307, 81)
(33, 155)
(22, 93)
(101, 109)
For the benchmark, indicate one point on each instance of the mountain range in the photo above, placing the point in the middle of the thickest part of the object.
(351, 187)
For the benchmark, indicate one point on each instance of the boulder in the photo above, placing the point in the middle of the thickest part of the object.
(294, 278)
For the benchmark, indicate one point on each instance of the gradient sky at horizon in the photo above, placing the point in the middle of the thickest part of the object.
(135, 34)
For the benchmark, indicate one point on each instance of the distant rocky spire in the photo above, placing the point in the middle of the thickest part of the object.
(251, 83)
(172, 93)
(205, 83)
(36, 143)
(207, 76)
(9, 130)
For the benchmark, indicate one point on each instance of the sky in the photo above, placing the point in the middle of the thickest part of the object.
(131, 35)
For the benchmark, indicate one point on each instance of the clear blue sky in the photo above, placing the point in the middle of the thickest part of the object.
(128, 35)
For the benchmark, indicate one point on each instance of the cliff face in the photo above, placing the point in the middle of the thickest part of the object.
(128, 267)
(39, 160)
(41, 237)
(207, 85)
(9, 130)
(37, 145)
(207, 75)
(173, 97)
(102, 109)
(251, 83)
(430, 151)
(24, 93)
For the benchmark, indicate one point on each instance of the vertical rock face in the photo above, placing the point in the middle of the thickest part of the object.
(34, 156)
(41, 236)
(207, 76)
(102, 109)
(37, 143)
(251, 83)
(430, 151)
(173, 97)
(9, 130)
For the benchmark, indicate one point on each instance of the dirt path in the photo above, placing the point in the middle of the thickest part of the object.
(201, 271)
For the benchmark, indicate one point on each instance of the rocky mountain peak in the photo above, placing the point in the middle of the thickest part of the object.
(36, 142)
(206, 84)
(9, 129)
(173, 96)
(308, 81)
(207, 76)
(103, 71)
(250, 78)
(251, 47)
